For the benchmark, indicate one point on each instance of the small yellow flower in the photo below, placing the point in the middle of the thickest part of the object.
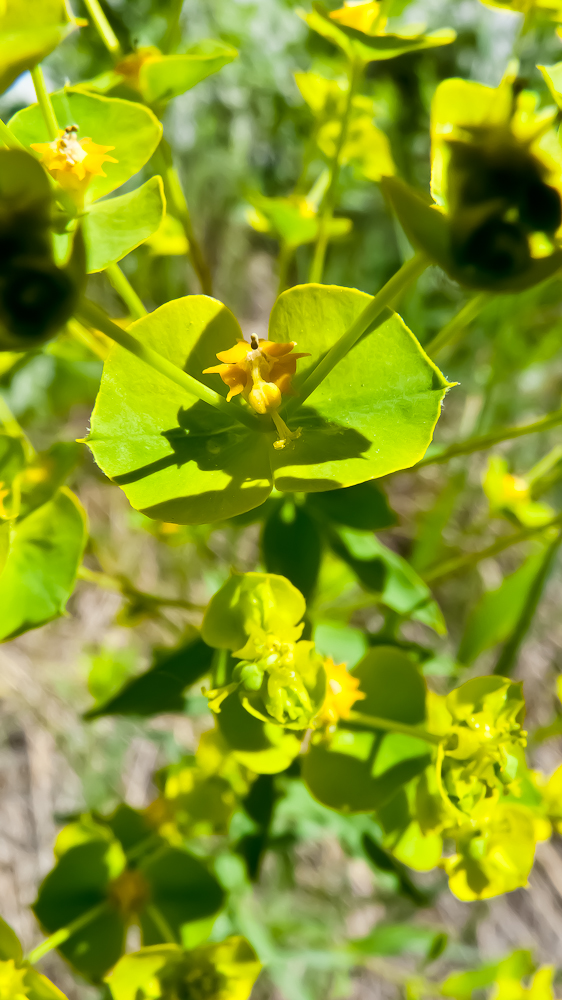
(72, 161)
(341, 693)
(130, 67)
(361, 16)
(261, 371)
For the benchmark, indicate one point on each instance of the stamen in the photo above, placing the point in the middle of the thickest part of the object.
(254, 342)
(285, 434)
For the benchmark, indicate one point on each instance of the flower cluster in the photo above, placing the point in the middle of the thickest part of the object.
(73, 161)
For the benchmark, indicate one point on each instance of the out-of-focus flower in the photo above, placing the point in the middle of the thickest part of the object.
(73, 161)
(342, 691)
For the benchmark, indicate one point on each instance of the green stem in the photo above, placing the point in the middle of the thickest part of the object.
(45, 103)
(485, 441)
(177, 201)
(106, 32)
(92, 315)
(122, 586)
(391, 726)
(460, 563)
(81, 334)
(508, 657)
(8, 137)
(283, 263)
(404, 277)
(452, 331)
(161, 924)
(319, 256)
(123, 287)
(13, 428)
(64, 933)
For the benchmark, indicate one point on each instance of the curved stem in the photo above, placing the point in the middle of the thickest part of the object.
(13, 428)
(177, 201)
(460, 563)
(161, 923)
(317, 266)
(457, 325)
(45, 103)
(106, 32)
(123, 287)
(408, 273)
(391, 726)
(64, 933)
(92, 315)
(484, 441)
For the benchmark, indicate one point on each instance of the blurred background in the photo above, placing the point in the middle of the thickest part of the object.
(242, 133)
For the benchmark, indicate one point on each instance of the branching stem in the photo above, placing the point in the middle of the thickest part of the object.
(178, 203)
(460, 563)
(485, 441)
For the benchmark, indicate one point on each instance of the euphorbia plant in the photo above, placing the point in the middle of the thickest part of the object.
(322, 658)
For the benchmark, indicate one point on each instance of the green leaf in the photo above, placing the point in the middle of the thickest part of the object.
(498, 611)
(10, 946)
(134, 972)
(292, 220)
(292, 546)
(369, 48)
(397, 939)
(181, 889)
(46, 473)
(175, 457)
(29, 30)
(161, 688)
(179, 460)
(38, 987)
(384, 571)
(77, 883)
(363, 506)
(385, 423)
(163, 79)
(260, 746)
(129, 127)
(114, 227)
(429, 229)
(393, 686)
(45, 551)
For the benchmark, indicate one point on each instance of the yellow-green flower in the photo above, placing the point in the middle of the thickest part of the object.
(342, 691)
(73, 161)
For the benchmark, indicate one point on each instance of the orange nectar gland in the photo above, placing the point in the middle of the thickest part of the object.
(72, 161)
(262, 372)
(341, 693)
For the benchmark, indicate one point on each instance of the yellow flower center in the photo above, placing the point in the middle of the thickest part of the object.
(72, 161)
(342, 691)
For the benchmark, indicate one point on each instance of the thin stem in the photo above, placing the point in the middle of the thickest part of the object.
(408, 273)
(122, 586)
(319, 256)
(461, 563)
(106, 32)
(92, 315)
(484, 441)
(508, 657)
(13, 428)
(84, 336)
(64, 933)
(177, 201)
(456, 326)
(8, 137)
(283, 263)
(161, 924)
(123, 287)
(391, 726)
(45, 103)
